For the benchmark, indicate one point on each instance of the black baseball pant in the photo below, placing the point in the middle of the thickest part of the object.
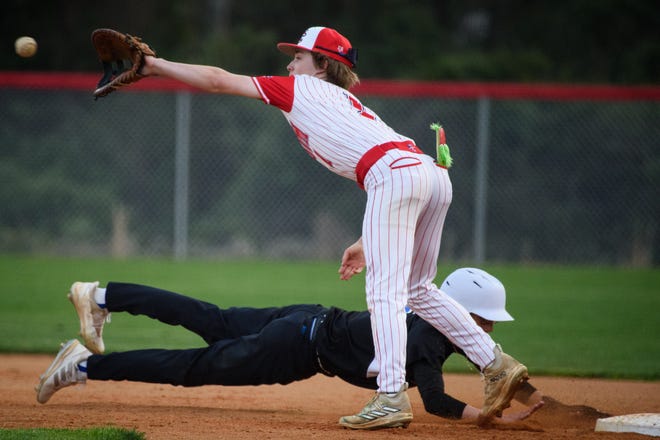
(246, 346)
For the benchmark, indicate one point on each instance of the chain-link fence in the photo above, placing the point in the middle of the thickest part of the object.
(194, 175)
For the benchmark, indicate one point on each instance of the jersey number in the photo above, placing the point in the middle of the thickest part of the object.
(303, 138)
(360, 108)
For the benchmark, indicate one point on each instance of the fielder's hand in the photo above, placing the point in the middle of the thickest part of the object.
(352, 262)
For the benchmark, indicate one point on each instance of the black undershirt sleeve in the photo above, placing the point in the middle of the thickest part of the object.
(427, 352)
(432, 389)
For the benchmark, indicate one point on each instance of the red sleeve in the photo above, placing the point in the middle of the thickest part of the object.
(276, 90)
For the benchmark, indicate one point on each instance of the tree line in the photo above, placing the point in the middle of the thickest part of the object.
(608, 41)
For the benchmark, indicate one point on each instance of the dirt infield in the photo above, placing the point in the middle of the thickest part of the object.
(303, 410)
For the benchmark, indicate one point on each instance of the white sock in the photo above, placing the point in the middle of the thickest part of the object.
(99, 296)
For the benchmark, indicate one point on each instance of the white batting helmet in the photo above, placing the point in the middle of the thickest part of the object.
(479, 292)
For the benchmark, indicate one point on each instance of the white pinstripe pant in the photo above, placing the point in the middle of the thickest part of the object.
(408, 197)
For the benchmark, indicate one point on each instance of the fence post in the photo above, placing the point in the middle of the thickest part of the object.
(481, 179)
(181, 174)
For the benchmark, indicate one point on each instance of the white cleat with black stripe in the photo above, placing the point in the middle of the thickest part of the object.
(63, 371)
(382, 411)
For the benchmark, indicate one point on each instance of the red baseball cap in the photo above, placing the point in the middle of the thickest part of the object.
(326, 41)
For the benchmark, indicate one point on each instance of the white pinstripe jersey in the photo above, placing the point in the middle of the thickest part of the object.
(330, 122)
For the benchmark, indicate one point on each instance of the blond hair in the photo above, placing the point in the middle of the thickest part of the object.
(337, 72)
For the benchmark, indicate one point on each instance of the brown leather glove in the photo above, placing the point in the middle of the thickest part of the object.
(122, 57)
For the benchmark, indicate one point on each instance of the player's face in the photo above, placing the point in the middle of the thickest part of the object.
(485, 324)
(303, 64)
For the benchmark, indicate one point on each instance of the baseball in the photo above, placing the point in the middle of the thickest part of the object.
(25, 46)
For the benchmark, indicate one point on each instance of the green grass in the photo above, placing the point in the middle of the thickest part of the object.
(576, 321)
(71, 434)
(599, 322)
(35, 315)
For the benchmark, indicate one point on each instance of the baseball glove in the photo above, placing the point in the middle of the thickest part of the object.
(122, 57)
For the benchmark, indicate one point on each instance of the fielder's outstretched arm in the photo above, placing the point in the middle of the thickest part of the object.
(208, 78)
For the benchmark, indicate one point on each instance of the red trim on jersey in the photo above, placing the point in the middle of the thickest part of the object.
(276, 90)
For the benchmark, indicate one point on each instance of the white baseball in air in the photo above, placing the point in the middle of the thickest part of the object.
(25, 46)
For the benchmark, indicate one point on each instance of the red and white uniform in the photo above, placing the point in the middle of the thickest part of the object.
(408, 197)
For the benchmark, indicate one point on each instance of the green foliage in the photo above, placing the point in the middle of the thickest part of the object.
(582, 41)
(577, 321)
(71, 434)
(499, 65)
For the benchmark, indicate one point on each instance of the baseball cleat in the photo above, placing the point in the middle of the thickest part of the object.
(382, 411)
(503, 378)
(92, 317)
(63, 372)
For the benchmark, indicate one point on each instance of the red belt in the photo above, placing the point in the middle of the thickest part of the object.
(374, 154)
